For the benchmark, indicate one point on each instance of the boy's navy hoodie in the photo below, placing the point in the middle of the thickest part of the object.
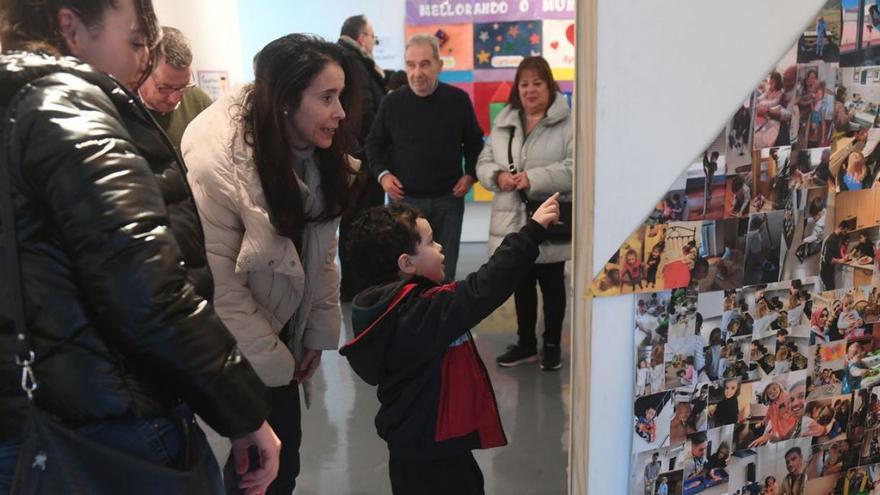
(412, 339)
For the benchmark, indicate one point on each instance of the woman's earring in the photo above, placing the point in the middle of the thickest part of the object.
(285, 112)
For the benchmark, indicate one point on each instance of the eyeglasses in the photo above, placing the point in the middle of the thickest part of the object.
(167, 90)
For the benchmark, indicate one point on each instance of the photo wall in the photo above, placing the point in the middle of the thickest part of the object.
(482, 43)
(757, 316)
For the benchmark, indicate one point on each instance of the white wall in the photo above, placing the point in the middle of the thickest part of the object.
(212, 27)
(670, 75)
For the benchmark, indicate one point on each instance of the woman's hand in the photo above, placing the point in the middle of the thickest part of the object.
(505, 181)
(522, 181)
(308, 366)
(759, 441)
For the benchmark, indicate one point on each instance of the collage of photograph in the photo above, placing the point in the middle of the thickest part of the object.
(757, 282)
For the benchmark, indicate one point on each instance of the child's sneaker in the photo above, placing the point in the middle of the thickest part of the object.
(552, 358)
(517, 355)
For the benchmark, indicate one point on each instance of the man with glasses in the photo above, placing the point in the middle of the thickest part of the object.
(358, 39)
(169, 93)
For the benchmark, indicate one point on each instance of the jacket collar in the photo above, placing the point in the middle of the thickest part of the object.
(558, 111)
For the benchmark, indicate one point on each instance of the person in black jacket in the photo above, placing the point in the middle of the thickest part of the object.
(412, 339)
(421, 136)
(358, 39)
(110, 247)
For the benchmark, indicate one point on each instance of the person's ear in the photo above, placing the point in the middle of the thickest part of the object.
(406, 264)
(441, 63)
(70, 26)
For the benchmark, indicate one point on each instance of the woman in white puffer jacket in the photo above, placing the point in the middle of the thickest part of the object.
(530, 150)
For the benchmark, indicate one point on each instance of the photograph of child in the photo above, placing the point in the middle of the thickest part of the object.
(681, 264)
(778, 402)
(826, 362)
(728, 402)
(738, 158)
(810, 168)
(809, 217)
(706, 183)
(827, 420)
(816, 103)
(652, 415)
(724, 250)
(690, 408)
(705, 462)
(652, 468)
(763, 236)
(870, 452)
(768, 99)
(862, 480)
(827, 464)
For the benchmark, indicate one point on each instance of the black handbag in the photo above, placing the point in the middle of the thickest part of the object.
(56, 459)
(557, 232)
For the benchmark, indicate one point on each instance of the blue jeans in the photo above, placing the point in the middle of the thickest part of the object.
(445, 214)
(156, 439)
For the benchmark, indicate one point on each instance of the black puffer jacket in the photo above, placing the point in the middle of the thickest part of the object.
(106, 251)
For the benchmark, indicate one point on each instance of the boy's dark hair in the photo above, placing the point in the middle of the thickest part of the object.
(377, 238)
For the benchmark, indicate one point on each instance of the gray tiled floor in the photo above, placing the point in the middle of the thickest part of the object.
(341, 453)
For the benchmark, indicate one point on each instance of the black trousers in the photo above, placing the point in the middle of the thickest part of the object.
(371, 194)
(459, 475)
(551, 278)
(285, 420)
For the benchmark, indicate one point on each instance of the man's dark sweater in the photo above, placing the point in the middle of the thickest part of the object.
(425, 139)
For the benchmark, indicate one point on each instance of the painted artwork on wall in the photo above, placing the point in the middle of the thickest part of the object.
(503, 45)
(456, 43)
(757, 286)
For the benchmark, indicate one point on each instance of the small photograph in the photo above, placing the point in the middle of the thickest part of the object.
(651, 422)
(651, 333)
(859, 37)
(853, 165)
(706, 185)
(638, 265)
(672, 208)
(816, 103)
(739, 196)
(870, 447)
(773, 469)
(774, 103)
(821, 40)
(736, 321)
(827, 464)
(866, 412)
(650, 469)
(810, 168)
(777, 405)
(827, 420)
(808, 222)
(764, 249)
(724, 250)
(690, 413)
(861, 480)
(729, 402)
(827, 362)
(705, 461)
(681, 263)
(848, 313)
(738, 157)
(771, 174)
(860, 93)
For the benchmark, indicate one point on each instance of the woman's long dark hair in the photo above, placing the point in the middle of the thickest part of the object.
(32, 25)
(284, 69)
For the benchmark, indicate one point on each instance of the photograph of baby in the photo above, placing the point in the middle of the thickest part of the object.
(654, 469)
(809, 222)
(828, 463)
(776, 410)
(705, 462)
(690, 405)
(827, 420)
(651, 422)
(773, 469)
(729, 401)
(862, 480)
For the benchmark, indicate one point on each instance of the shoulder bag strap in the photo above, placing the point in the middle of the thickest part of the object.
(24, 354)
(510, 166)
